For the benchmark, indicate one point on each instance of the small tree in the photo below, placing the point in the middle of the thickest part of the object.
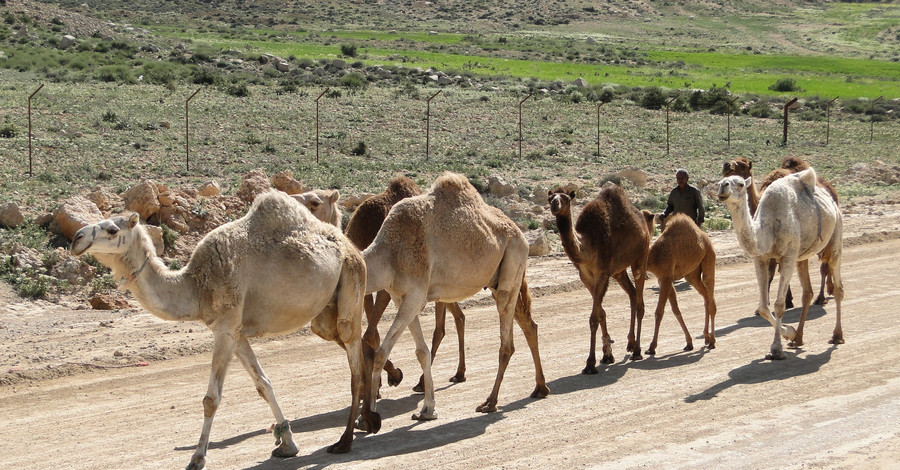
(785, 84)
(348, 50)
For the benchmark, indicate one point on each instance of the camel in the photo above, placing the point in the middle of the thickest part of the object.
(361, 230)
(683, 251)
(795, 220)
(270, 272)
(447, 245)
(610, 236)
(323, 204)
(743, 167)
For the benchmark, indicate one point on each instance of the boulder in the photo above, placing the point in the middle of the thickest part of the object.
(255, 183)
(156, 234)
(107, 302)
(537, 243)
(10, 215)
(209, 189)
(73, 214)
(71, 269)
(283, 66)
(105, 200)
(339, 64)
(498, 187)
(580, 83)
(142, 198)
(284, 181)
(66, 41)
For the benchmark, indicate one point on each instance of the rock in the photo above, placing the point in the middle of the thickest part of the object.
(320, 72)
(105, 200)
(156, 234)
(284, 181)
(151, 48)
(71, 269)
(498, 187)
(10, 215)
(264, 59)
(580, 83)
(283, 66)
(590, 40)
(432, 78)
(339, 64)
(444, 80)
(73, 214)
(537, 243)
(539, 196)
(255, 183)
(209, 189)
(636, 177)
(107, 302)
(142, 198)
(67, 41)
(350, 203)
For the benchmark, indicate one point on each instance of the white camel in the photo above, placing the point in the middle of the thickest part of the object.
(795, 220)
(270, 272)
(323, 203)
(446, 245)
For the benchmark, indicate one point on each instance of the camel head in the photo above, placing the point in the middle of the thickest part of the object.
(795, 164)
(323, 205)
(560, 202)
(110, 236)
(733, 189)
(739, 166)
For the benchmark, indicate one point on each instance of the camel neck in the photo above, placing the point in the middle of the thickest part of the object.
(745, 227)
(169, 295)
(567, 237)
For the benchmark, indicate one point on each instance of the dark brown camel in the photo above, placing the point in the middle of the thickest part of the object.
(683, 251)
(361, 230)
(609, 236)
(744, 168)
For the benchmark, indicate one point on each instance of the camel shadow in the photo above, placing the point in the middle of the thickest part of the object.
(762, 370)
(680, 286)
(791, 317)
(388, 408)
(398, 441)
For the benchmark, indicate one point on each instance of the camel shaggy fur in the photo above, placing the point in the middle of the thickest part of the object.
(270, 272)
(609, 237)
(361, 230)
(795, 220)
(683, 251)
(447, 245)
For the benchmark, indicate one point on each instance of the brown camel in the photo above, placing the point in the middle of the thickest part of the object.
(683, 251)
(610, 236)
(447, 245)
(361, 230)
(743, 168)
(270, 272)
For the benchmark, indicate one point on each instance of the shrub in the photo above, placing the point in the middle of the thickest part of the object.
(8, 131)
(360, 149)
(760, 110)
(653, 98)
(348, 50)
(109, 116)
(785, 84)
(240, 90)
(116, 73)
(353, 81)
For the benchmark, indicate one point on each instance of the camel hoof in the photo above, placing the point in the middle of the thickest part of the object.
(711, 345)
(775, 356)
(393, 380)
(487, 407)
(789, 304)
(285, 450)
(795, 344)
(607, 359)
(424, 417)
(540, 391)
(689, 347)
(371, 424)
(458, 378)
(820, 301)
(420, 387)
(636, 355)
(196, 464)
(836, 340)
(650, 352)
(341, 447)
(589, 370)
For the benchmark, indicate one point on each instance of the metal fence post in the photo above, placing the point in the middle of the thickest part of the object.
(317, 123)
(30, 167)
(598, 127)
(730, 104)
(428, 125)
(520, 123)
(828, 119)
(187, 133)
(667, 121)
(872, 119)
(787, 108)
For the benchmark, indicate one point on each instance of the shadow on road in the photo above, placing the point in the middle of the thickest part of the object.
(790, 317)
(761, 371)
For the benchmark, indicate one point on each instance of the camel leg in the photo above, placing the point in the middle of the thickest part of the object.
(636, 301)
(427, 412)
(506, 307)
(409, 308)
(806, 284)
(223, 349)
(459, 319)
(834, 266)
(824, 272)
(374, 311)
(762, 278)
(598, 317)
(440, 317)
(776, 352)
(283, 437)
(703, 280)
(673, 301)
(665, 285)
(530, 328)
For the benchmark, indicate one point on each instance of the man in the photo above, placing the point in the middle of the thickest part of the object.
(685, 198)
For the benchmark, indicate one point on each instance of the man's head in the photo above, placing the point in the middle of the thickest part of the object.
(681, 177)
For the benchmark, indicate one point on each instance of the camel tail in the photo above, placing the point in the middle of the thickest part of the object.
(523, 303)
(351, 290)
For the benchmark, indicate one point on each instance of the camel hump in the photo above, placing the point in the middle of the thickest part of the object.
(808, 177)
(402, 187)
(453, 184)
(274, 210)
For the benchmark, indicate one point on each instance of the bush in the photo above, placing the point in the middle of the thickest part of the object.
(8, 131)
(784, 85)
(240, 90)
(116, 73)
(353, 81)
(760, 110)
(109, 116)
(348, 50)
(360, 149)
(653, 98)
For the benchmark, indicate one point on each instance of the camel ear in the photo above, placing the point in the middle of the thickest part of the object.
(572, 194)
(133, 220)
(748, 181)
(549, 193)
(335, 195)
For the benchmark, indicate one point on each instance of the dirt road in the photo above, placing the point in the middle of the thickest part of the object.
(823, 407)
